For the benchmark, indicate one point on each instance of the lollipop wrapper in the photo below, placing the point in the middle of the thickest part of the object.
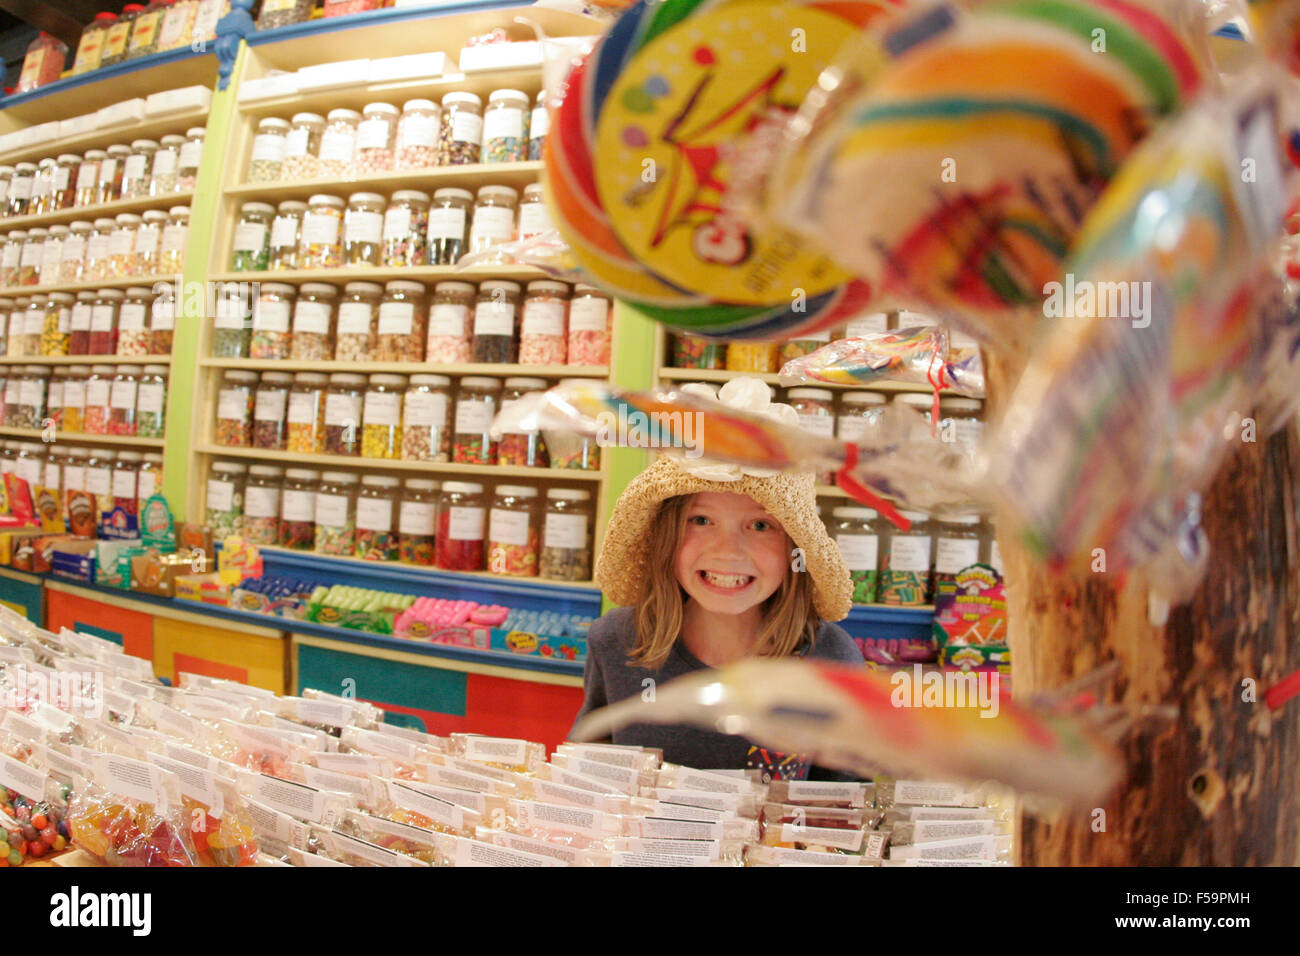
(919, 356)
(546, 251)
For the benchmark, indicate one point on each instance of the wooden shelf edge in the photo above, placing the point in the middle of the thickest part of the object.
(87, 360)
(97, 211)
(19, 291)
(399, 179)
(413, 368)
(343, 463)
(72, 437)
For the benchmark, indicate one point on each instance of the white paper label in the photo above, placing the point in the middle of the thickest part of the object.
(173, 238)
(221, 494)
(909, 553)
(147, 484)
(467, 127)
(312, 317)
(271, 316)
(232, 403)
(823, 425)
(123, 484)
(860, 551)
(508, 527)
(191, 153)
(28, 469)
(448, 319)
(96, 248)
(493, 222)
(74, 249)
(302, 407)
(446, 222)
(268, 405)
(383, 408)
(397, 223)
(296, 142)
(164, 162)
(375, 514)
(250, 236)
(261, 502)
(337, 144)
(427, 409)
(299, 505)
(146, 240)
(931, 793)
(96, 393)
(588, 315)
(133, 169)
(34, 322)
(87, 175)
(363, 226)
(474, 417)
(33, 251)
(417, 130)
(99, 481)
(164, 315)
(342, 410)
(74, 477)
(466, 524)
(284, 232)
(123, 396)
(868, 324)
(269, 147)
(566, 531)
(354, 318)
(952, 555)
(416, 517)
(131, 318)
(494, 318)
(373, 133)
(331, 510)
(539, 124)
(74, 394)
(534, 219)
(543, 318)
(320, 229)
(502, 122)
(396, 318)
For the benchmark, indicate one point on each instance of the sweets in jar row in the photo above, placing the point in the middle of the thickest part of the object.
(383, 138)
(909, 568)
(128, 400)
(133, 321)
(152, 243)
(395, 417)
(517, 530)
(142, 29)
(279, 13)
(499, 321)
(410, 229)
(146, 168)
(124, 479)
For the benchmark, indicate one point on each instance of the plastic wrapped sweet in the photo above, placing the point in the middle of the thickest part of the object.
(133, 828)
(919, 356)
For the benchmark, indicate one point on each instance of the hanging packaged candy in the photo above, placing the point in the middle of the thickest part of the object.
(918, 356)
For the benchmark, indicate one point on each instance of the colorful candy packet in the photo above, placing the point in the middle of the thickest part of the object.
(917, 356)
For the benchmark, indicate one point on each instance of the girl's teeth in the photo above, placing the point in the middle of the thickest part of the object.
(726, 580)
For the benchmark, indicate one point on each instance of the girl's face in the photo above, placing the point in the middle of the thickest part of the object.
(733, 555)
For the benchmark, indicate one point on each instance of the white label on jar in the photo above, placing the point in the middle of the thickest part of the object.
(354, 318)
(56, 395)
(149, 400)
(416, 517)
(995, 557)
(131, 318)
(74, 249)
(124, 484)
(533, 219)
(164, 162)
(164, 315)
(51, 252)
(99, 481)
(383, 408)
(96, 247)
(565, 531)
(221, 494)
(466, 127)
(299, 505)
(868, 324)
(312, 317)
(146, 484)
(295, 144)
(31, 393)
(96, 393)
(74, 394)
(493, 222)
(302, 407)
(540, 123)
(32, 251)
(146, 240)
(191, 153)
(269, 404)
(51, 478)
(494, 318)
(74, 477)
(823, 425)
(107, 171)
(446, 222)
(373, 133)
(284, 232)
(363, 226)
(21, 187)
(342, 410)
(119, 243)
(417, 129)
(965, 432)
(909, 553)
(250, 236)
(261, 501)
(860, 551)
(588, 315)
(230, 313)
(337, 144)
(543, 318)
(426, 409)
(268, 147)
(375, 514)
(474, 417)
(101, 318)
(331, 510)
(503, 122)
(856, 428)
(29, 470)
(173, 238)
(61, 177)
(397, 223)
(465, 524)
(16, 322)
(232, 403)
(134, 168)
(448, 319)
(271, 315)
(13, 253)
(320, 229)
(13, 389)
(87, 175)
(123, 396)
(955, 554)
(396, 318)
(34, 322)
(508, 527)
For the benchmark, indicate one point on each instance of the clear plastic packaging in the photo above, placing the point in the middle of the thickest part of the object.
(539, 125)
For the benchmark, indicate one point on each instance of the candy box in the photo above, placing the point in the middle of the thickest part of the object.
(414, 67)
(111, 570)
(212, 588)
(377, 622)
(326, 76)
(74, 560)
(155, 573)
(240, 555)
(174, 101)
(242, 599)
(42, 551)
(978, 658)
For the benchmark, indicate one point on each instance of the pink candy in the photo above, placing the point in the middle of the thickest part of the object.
(438, 613)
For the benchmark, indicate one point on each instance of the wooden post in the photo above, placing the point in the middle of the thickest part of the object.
(1220, 784)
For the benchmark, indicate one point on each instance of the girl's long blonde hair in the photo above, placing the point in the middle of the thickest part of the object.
(789, 621)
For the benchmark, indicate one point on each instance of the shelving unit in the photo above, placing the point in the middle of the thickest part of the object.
(469, 177)
(100, 210)
(87, 360)
(116, 283)
(450, 470)
(383, 274)
(86, 437)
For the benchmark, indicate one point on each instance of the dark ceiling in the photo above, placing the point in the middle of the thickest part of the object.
(21, 19)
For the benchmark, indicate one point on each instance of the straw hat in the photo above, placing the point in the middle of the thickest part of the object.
(789, 497)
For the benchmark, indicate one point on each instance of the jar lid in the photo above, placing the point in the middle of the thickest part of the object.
(37, 300)
(462, 487)
(418, 105)
(317, 288)
(568, 494)
(583, 288)
(477, 381)
(461, 97)
(172, 139)
(130, 456)
(498, 96)
(307, 118)
(365, 197)
(153, 369)
(324, 199)
(238, 375)
(62, 230)
(865, 513)
(862, 398)
(117, 149)
(387, 379)
(421, 484)
(520, 382)
(4, 302)
(914, 515)
(302, 474)
(92, 155)
(104, 16)
(451, 192)
(516, 491)
(278, 288)
(347, 378)
(138, 290)
(343, 114)
(128, 218)
(818, 394)
(80, 451)
(310, 378)
(144, 144)
(26, 167)
(69, 158)
(256, 207)
(229, 468)
(22, 234)
(454, 287)
(410, 195)
(921, 400)
(109, 293)
(960, 404)
(967, 518)
(548, 285)
(373, 287)
(179, 211)
(430, 380)
(504, 192)
(404, 285)
(79, 369)
(64, 297)
(504, 284)
(154, 215)
(273, 122)
(129, 370)
(81, 224)
(292, 205)
(388, 108)
(153, 456)
(265, 471)
(199, 131)
(37, 231)
(277, 378)
(85, 297)
(380, 481)
(339, 477)
(108, 370)
(533, 190)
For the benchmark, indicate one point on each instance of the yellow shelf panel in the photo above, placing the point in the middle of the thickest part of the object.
(148, 128)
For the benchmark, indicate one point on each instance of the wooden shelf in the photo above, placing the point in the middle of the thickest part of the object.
(148, 128)
(470, 177)
(716, 375)
(84, 437)
(98, 210)
(149, 282)
(450, 470)
(88, 360)
(383, 274)
(411, 368)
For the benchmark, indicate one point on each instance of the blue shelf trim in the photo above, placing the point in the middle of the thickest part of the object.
(104, 74)
(888, 623)
(352, 21)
